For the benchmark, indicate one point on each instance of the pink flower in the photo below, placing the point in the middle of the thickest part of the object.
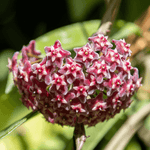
(58, 83)
(100, 69)
(88, 89)
(100, 43)
(72, 70)
(85, 55)
(77, 106)
(39, 70)
(91, 82)
(122, 47)
(55, 54)
(81, 92)
(12, 65)
(98, 103)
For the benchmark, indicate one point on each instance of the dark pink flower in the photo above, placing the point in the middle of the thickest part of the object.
(88, 89)
(72, 70)
(100, 43)
(98, 103)
(58, 83)
(100, 69)
(122, 47)
(85, 55)
(55, 54)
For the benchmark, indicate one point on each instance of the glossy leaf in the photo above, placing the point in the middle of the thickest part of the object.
(128, 29)
(12, 127)
(10, 83)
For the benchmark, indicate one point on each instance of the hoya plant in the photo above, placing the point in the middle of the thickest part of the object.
(78, 88)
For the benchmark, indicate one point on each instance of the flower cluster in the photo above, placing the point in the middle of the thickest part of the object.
(89, 88)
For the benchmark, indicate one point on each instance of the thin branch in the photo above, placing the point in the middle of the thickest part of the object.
(109, 16)
(128, 129)
(107, 3)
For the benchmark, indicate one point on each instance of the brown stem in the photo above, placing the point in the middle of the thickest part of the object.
(79, 136)
(109, 16)
(107, 3)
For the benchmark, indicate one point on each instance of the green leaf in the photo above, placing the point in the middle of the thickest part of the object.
(133, 145)
(18, 123)
(4, 61)
(70, 36)
(147, 123)
(10, 83)
(128, 29)
(80, 9)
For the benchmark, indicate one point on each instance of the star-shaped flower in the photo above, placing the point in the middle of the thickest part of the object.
(58, 83)
(100, 69)
(72, 70)
(97, 103)
(122, 47)
(55, 54)
(81, 92)
(85, 55)
(100, 43)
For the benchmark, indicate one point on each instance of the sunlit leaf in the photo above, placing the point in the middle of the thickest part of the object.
(13, 126)
(10, 84)
(134, 145)
(128, 29)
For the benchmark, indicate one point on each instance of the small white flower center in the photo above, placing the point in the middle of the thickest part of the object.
(118, 83)
(54, 52)
(81, 89)
(58, 80)
(103, 67)
(72, 68)
(86, 53)
(132, 89)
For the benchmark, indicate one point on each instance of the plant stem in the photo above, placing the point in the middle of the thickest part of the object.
(109, 16)
(79, 136)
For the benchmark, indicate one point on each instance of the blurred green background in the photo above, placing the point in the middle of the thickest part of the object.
(22, 21)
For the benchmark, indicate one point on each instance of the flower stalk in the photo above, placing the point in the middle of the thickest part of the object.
(79, 136)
